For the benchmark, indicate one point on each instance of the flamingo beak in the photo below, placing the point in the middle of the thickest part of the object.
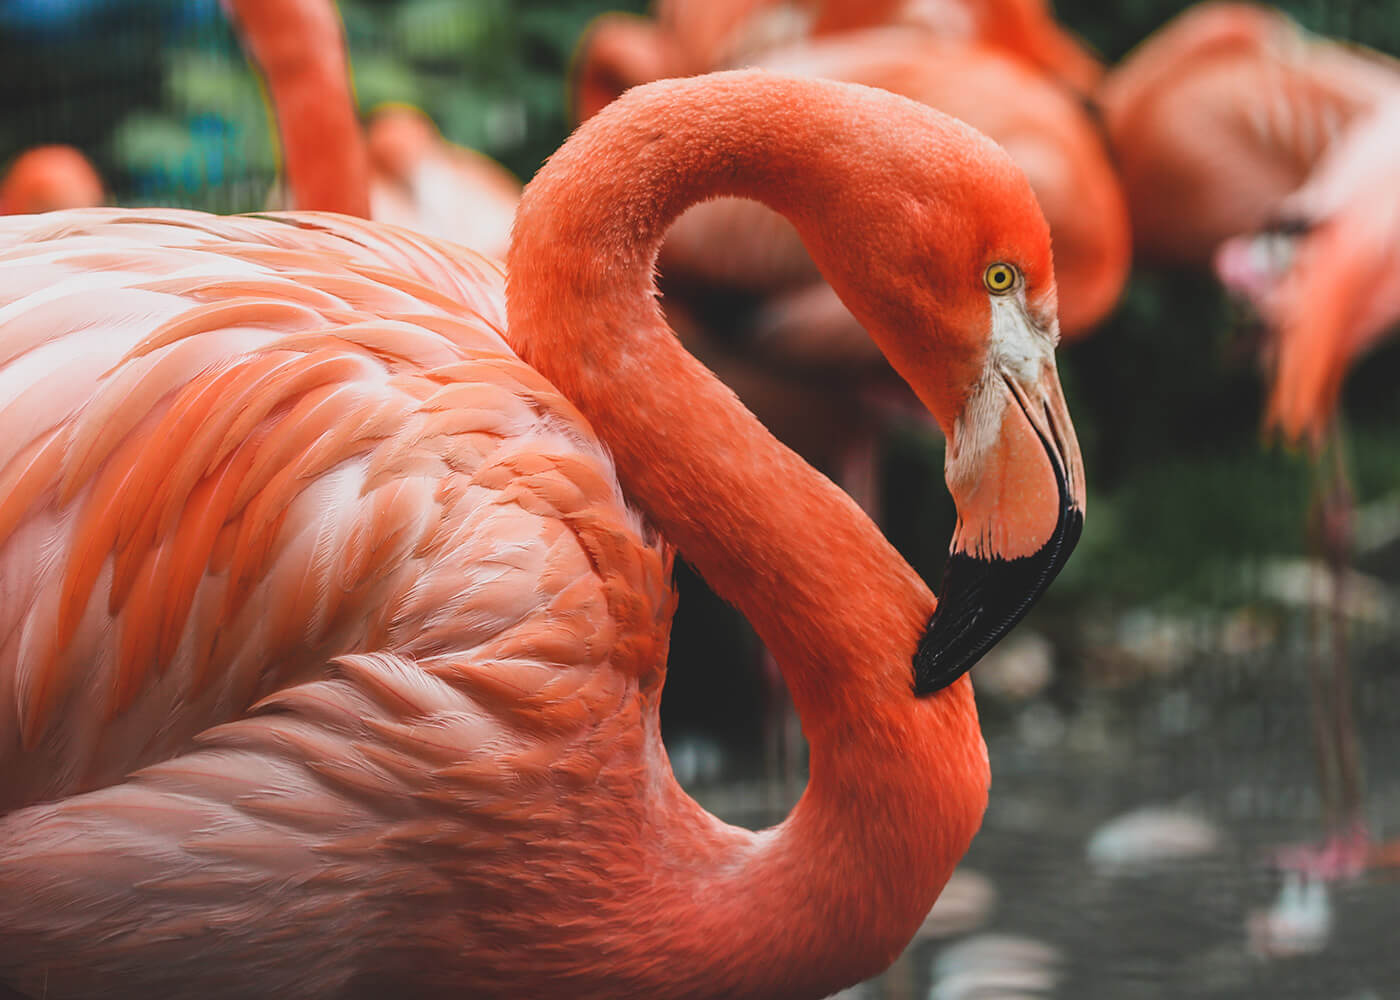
(1014, 468)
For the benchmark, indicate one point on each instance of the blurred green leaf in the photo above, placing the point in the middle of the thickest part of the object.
(439, 29)
(146, 140)
(382, 78)
(206, 82)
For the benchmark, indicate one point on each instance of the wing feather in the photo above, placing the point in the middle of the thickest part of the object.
(253, 445)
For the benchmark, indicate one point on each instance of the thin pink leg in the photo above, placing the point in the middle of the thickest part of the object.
(1347, 851)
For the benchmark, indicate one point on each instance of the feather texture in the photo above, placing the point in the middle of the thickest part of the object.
(232, 467)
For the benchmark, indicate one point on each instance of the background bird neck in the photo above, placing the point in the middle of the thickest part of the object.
(299, 46)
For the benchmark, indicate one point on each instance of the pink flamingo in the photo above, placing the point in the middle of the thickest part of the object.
(803, 340)
(1234, 130)
(47, 178)
(334, 640)
(402, 172)
(694, 36)
(1220, 115)
(425, 183)
(1325, 278)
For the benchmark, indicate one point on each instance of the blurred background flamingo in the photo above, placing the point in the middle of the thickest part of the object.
(1325, 279)
(687, 36)
(47, 178)
(402, 171)
(1236, 133)
(1220, 115)
(424, 183)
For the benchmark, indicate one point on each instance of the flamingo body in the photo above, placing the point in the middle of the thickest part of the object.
(294, 465)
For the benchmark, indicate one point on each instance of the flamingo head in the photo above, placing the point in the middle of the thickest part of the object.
(960, 296)
(1326, 291)
(49, 178)
(1253, 267)
(398, 137)
(617, 52)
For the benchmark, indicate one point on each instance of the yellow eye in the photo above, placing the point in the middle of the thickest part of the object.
(1000, 278)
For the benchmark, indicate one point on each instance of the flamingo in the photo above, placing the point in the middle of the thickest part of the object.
(46, 178)
(425, 183)
(1220, 115)
(1325, 278)
(803, 326)
(337, 575)
(1234, 131)
(691, 36)
(802, 333)
(402, 172)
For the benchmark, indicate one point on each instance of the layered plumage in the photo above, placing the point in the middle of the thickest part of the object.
(292, 463)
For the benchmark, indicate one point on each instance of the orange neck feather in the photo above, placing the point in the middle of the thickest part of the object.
(898, 784)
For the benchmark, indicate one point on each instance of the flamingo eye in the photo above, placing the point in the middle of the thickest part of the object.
(1001, 278)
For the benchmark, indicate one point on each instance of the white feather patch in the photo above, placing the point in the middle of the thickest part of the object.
(1019, 348)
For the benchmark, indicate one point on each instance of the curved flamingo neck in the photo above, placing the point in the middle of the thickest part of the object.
(299, 46)
(898, 784)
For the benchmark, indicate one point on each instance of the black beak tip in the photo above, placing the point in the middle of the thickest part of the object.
(983, 599)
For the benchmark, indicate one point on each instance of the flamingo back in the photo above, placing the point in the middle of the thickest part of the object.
(240, 448)
(300, 564)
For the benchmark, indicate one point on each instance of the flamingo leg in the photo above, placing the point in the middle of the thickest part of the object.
(1346, 850)
(1338, 506)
